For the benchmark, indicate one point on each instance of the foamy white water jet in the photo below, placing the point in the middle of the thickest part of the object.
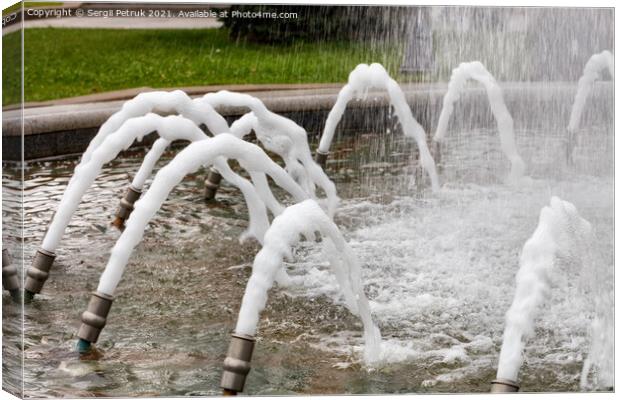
(210, 151)
(591, 73)
(168, 128)
(374, 76)
(305, 219)
(175, 102)
(281, 136)
(561, 232)
(148, 164)
(276, 133)
(505, 125)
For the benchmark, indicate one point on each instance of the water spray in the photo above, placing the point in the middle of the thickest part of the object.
(560, 232)
(505, 124)
(210, 151)
(281, 136)
(196, 110)
(302, 219)
(591, 73)
(363, 78)
(169, 128)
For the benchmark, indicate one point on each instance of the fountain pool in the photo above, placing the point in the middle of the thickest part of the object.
(438, 268)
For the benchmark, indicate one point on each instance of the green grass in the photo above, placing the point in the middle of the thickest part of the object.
(30, 4)
(71, 62)
(11, 68)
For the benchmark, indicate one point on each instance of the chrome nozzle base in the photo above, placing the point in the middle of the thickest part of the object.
(95, 316)
(39, 271)
(237, 363)
(504, 386)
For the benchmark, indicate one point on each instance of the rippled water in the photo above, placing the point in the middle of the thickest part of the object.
(439, 270)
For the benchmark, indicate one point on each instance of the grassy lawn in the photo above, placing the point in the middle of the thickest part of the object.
(11, 64)
(71, 62)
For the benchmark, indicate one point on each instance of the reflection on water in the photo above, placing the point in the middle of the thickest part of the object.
(439, 270)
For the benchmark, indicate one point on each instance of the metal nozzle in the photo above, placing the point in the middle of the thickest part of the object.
(94, 318)
(39, 271)
(212, 183)
(237, 363)
(504, 386)
(10, 280)
(126, 207)
(321, 158)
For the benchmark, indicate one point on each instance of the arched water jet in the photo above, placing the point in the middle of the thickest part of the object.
(160, 102)
(278, 134)
(591, 73)
(305, 219)
(168, 128)
(175, 102)
(134, 191)
(210, 151)
(505, 125)
(560, 232)
(361, 79)
(281, 136)
(197, 110)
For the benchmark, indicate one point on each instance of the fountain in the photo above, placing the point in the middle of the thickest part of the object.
(169, 128)
(281, 136)
(277, 134)
(211, 151)
(591, 73)
(476, 71)
(159, 102)
(363, 78)
(561, 234)
(423, 255)
(197, 110)
(305, 219)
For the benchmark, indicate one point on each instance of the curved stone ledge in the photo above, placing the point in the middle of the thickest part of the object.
(60, 129)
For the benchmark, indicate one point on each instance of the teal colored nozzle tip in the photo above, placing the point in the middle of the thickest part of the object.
(28, 296)
(83, 346)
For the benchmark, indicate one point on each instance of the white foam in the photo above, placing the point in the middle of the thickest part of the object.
(476, 71)
(159, 102)
(168, 128)
(210, 151)
(281, 136)
(304, 219)
(439, 274)
(148, 164)
(591, 73)
(560, 232)
(374, 76)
